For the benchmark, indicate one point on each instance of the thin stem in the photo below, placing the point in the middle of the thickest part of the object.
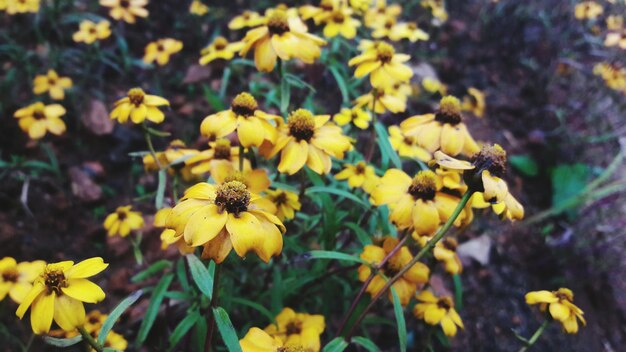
(210, 316)
(29, 343)
(427, 248)
(148, 137)
(89, 339)
(241, 151)
(535, 336)
(373, 273)
(372, 142)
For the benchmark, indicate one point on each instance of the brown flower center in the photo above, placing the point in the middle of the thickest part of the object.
(294, 349)
(136, 96)
(301, 124)
(449, 111)
(121, 215)
(160, 48)
(280, 199)
(220, 43)
(222, 149)
(445, 303)
(450, 243)
(125, 3)
(278, 22)
(232, 196)
(244, 104)
(424, 185)
(338, 17)
(491, 158)
(359, 169)
(11, 275)
(294, 327)
(39, 114)
(385, 52)
(54, 280)
(408, 140)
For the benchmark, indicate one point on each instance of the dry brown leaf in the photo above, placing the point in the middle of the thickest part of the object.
(83, 187)
(196, 73)
(96, 118)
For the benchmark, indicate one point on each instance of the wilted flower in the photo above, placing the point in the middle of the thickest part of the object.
(298, 330)
(37, 119)
(220, 48)
(16, 279)
(89, 32)
(474, 102)
(160, 51)
(438, 311)
(126, 10)
(561, 306)
(139, 106)
(123, 221)
(53, 84)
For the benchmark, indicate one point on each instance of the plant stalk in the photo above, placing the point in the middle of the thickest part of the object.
(535, 336)
(210, 315)
(89, 339)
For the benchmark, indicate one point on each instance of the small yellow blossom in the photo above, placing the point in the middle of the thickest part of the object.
(299, 331)
(53, 84)
(123, 221)
(139, 106)
(407, 30)
(286, 203)
(16, 279)
(282, 37)
(59, 292)
(359, 175)
(561, 306)
(89, 32)
(37, 119)
(474, 102)
(381, 100)
(614, 77)
(220, 48)
(22, 6)
(383, 64)
(433, 85)
(258, 340)
(319, 14)
(223, 217)
(406, 286)
(359, 117)
(438, 311)
(341, 22)
(407, 146)
(360, 5)
(588, 10)
(380, 13)
(160, 51)
(220, 155)
(198, 8)
(311, 140)
(437, 9)
(614, 23)
(617, 39)
(126, 10)
(445, 251)
(246, 19)
(174, 158)
(443, 130)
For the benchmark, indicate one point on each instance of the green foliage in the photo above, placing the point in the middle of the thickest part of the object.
(115, 314)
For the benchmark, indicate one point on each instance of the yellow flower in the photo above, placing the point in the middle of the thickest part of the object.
(252, 125)
(406, 286)
(561, 306)
(220, 48)
(359, 117)
(416, 202)
(123, 221)
(160, 51)
(298, 330)
(22, 6)
(407, 146)
(318, 14)
(115, 341)
(282, 37)
(433, 85)
(616, 39)
(94, 321)
(381, 12)
(126, 10)
(445, 251)
(360, 5)
(88, 32)
(198, 8)
(224, 217)
(474, 102)
(383, 64)
(257, 340)
(220, 155)
(174, 157)
(52, 83)
(614, 77)
(59, 292)
(340, 22)
(381, 100)
(588, 10)
(37, 119)
(168, 236)
(359, 175)
(438, 311)
(310, 140)
(437, 9)
(286, 203)
(509, 208)
(246, 19)
(614, 23)
(407, 30)
(139, 106)
(443, 130)
(16, 279)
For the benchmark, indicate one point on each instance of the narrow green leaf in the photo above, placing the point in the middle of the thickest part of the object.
(198, 338)
(366, 343)
(361, 234)
(385, 147)
(254, 305)
(227, 331)
(53, 341)
(213, 99)
(160, 195)
(336, 255)
(338, 192)
(277, 290)
(285, 96)
(200, 275)
(116, 314)
(341, 82)
(156, 267)
(182, 328)
(153, 308)
(181, 274)
(225, 80)
(338, 344)
(458, 292)
(298, 82)
(399, 313)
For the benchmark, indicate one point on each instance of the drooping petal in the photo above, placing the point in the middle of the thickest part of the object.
(83, 290)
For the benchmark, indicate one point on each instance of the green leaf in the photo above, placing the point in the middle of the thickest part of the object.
(116, 314)
(225, 80)
(338, 344)
(568, 181)
(213, 99)
(366, 343)
(153, 308)
(181, 274)
(227, 331)
(336, 255)
(285, 96)
(198, 338)
(458, 292)
(160, 195)
(254, 305)
(524, 164)
(341, 82)
(200, 275)
(399, 313)
(339, 192)
(156, 267)
(53, 341)
(182, 328)
(386, 150)
(298, 82)
(361, 234)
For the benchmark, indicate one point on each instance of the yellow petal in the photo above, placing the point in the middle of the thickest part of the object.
(86, 268)
(496, 189)
(42, 313)
(69, 313)
(450, 162)
(559, 311)
(293, 157)
(204, 225)
(264, 56)
(434, 314)
(38, 288)
(83, 290)
(540, 297)
(244, 233)
(448, 326)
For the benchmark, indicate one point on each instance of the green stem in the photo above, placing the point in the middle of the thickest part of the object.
(29, 343)
(535, 336)
(148, 137)
(241, 157)
(427, 248)
(210, 316)
(372, 142)
(89, 339)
